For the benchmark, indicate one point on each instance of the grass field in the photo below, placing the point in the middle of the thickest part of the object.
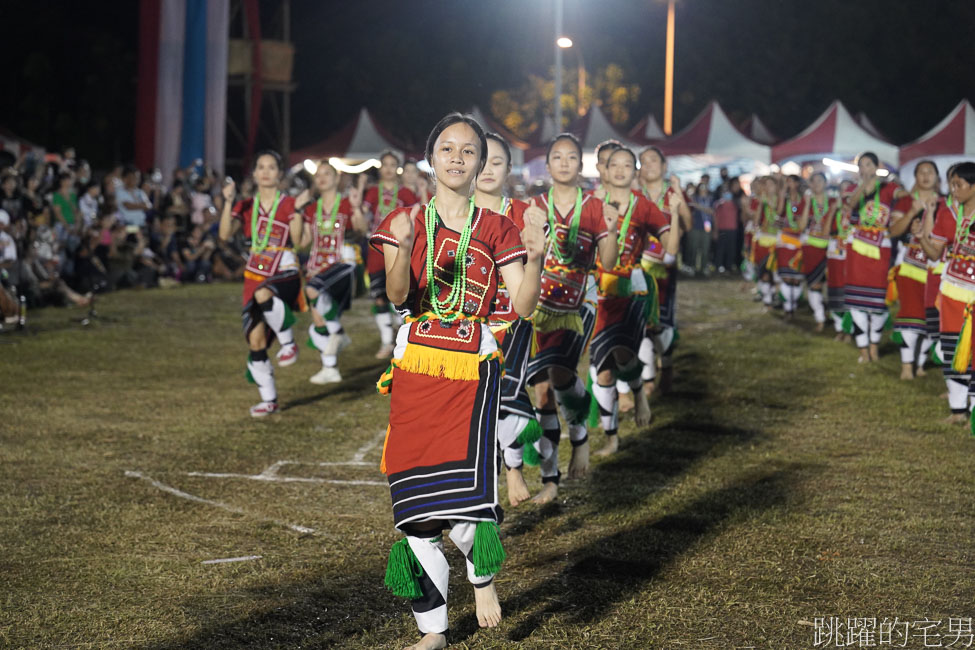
(779, 483)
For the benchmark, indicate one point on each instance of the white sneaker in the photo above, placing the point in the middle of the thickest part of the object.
(264, 408)
(327, 375)
(287, 355)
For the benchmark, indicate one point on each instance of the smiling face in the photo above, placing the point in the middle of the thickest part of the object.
(564, 162)
(651, 166)
(326, 178)
(457, 157)
(266, 171)
(492, 177)
(621, 169)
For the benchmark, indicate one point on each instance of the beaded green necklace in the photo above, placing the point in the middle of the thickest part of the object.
(621, 237)
(449, 309)
(573, 235)
(331, 222)
(385, 208)
(817, 215)
(876, 208)
(259, 247)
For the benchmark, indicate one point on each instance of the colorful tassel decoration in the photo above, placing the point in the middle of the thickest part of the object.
(402, 571)
(488, 553)
(963, 353)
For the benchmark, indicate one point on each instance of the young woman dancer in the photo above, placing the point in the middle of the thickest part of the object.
(621, 312)
(272, 282)
(951, 230)
(517, 425)
(578, 228)
(839, 231)
(661, 337)
(331, 279)
(445, 262)
(815, 227)
(766, 234)
(868, 255)
(788, 245)
(912, 271)
(378, 201)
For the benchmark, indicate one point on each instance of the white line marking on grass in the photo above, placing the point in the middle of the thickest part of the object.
(245, 558)
(191, 497)
(282, 479)
(366, 448)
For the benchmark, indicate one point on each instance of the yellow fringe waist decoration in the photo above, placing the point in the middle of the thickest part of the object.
(963, 353)
(865, 249)
(913, 272)
(462, 366)
(766, 241)
(817, 242)
(549, 321)
(892, 295)
(955, 292)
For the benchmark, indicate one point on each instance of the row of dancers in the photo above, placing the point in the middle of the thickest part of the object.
(499, 299)
(885, 255)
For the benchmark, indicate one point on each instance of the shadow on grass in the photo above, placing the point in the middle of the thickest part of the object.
(612, 569)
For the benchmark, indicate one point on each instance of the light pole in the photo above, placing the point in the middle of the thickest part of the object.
(565, 43)
(558, 65)
(669, 72)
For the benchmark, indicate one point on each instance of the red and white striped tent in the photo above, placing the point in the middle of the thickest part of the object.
(362, 138)
(951, 140)
(16, 146)
(755, 129)
(834, 134)
(870, 127)
(712, 134)
(647, 131)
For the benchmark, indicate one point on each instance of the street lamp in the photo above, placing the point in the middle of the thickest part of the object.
(558, 64)
(565, 43)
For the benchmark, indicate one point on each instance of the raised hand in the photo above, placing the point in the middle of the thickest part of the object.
(678, 192)
(355, 197)
(535, 216)
(401, 226)
(303, 198)
(611, 216)
(229, 190)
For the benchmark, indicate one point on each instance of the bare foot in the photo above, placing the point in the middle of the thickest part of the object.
(643, 414)
(847, 338)
(864, 355)
(920, 372)
(626, 402)
(839, 336)
(874, 352)
(487, 606)
(612, 444)
(547, 494)
(517, 488)
(957, 418)
(907, 371)
(819, 327)
(429, 641)
(943, 396)
(579, 463)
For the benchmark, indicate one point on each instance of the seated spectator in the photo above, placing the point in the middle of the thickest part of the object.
(177, 204)
(131, 200)
(9, 307)
(196, 255)
(200, 200)
(88, 203)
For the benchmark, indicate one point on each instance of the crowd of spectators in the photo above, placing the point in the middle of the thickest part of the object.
(66, 235)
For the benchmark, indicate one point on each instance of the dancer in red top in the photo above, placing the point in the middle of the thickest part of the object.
(444, 264)
(623, 303)
(330, 275)
(815, 227)
(912, 272)
(788, 246)
(578, 228)
(517, 425)
(378, 201)
(272, 282)
(868, 254)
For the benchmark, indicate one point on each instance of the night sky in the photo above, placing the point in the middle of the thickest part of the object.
(70, 70)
